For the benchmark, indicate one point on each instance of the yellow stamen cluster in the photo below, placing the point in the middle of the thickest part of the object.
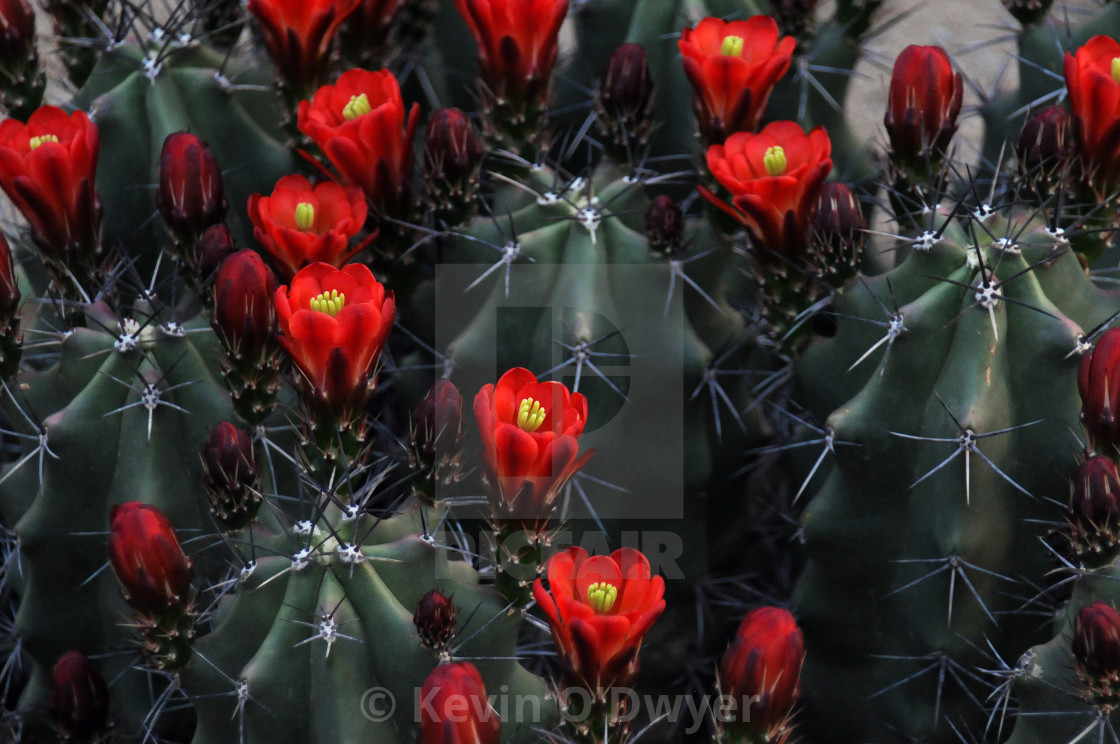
(732, 46)
(37, 141)
(530, 415)
(305, 215)
(329, 302)
(601, 596)
(1115, 69)
(358, 106)
(775, 160)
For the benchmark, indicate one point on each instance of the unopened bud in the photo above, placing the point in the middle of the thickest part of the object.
(435, 619)
(839, 229)
(213, 247)
(1045, 148)
(664, 225)
(437, 437)
(191, 197)
(144, 551)
(452, 156)
(231, 475)
(79, 698)
(624, 102)
(1096, 646)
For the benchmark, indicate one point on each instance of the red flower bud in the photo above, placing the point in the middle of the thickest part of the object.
(1098, 381)
(79, 698)
(530, 436)
(624, 102)
(664, 225)
(298, 35)
(775, 178)
(244, 317)
(48, 168)
(452, 156)
(838, 230)
(452, 149)
(1096, 644)
(335, 322)
(923, 105)
(17, 35)
(733, 66)
(435, 619)
(191, 197)
(1044, 147)
(299, 225)
(599, 609)
(359, 124)
(365, 34)
(1093, 79)
(517, 45)
(9, 287)
(212, 249)
(761, 672)
(437, 436)
(231, 475)
(154, 573)
(454, 708)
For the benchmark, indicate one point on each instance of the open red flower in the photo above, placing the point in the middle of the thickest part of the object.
(530, 436)
(1098, 381)
(761, 673)
(733, 66)
(335, 323)
(599, 608)
(454, 709)
(47, 169)
(145, 554)
(922, 108)
(775, 178)
(300, 224)
(298, 35)
(1093, 79)
(359, 124)
(517, 44)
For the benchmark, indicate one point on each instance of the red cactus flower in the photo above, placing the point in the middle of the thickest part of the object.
(761, 672)
(79, 698)
(1096, 642)
(923, 105)
(599, 608)
(298, 35)
(335, 322)
(47, 169)
(1098, 381)
(154, 573)
(359, 124)
(1093, 79)
(517, 44)
(454, 708)
(530, 436)
(244, 318)
(733, 66)
(775, 178)
(299, 224)
(190, 196)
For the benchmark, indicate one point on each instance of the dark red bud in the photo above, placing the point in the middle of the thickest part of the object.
(437, 437)
(455, 708)
(79, 698)
(624, 101)
(190, 196)
(452, 148)
(17, 34)
(232, 475)
(1045, 146)
(144, 551)
(1096, 641)
(9, 288)
(838, 229)
(244, 317)
(435, 619)
(1098, 382)
(664, 225)
(213, 247)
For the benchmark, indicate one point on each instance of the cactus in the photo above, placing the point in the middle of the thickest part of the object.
(240, 499)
